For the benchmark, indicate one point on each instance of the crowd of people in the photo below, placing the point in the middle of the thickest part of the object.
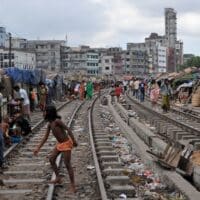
(16, 123)
(82, 90)
(141, 87)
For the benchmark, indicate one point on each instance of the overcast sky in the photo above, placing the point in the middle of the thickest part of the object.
(100, 23)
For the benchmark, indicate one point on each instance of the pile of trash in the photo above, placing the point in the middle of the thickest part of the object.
(148, 184)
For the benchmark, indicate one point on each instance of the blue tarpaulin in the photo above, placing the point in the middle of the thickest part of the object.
(32, 77)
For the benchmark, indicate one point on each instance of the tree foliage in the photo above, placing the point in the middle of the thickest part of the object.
(192, 62)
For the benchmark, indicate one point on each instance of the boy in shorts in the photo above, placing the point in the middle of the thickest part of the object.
(65, 144)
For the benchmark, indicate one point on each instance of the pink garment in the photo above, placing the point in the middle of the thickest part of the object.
(154, 94)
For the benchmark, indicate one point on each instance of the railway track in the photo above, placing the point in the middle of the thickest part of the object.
(137, 123)
(183, 110)
(27, 175)
(100, 168)
(36, 121)
(175, 125)
(116, 178)
(110, 172)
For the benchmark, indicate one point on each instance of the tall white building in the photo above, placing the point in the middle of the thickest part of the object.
(175, 48)
(170, 27)
(19, 58)
(161, 58)
(92, 62)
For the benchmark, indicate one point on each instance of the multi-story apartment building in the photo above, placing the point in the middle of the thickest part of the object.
(48, 53)
(3, 36)
(137, 59)
(163, 53)
(18, 58)
(81, 58)
(92, 62)
(106, 64)
(179, 53)
(175, 48)
(170, 27)
(157, 51)
(162, 58)
(16, 43)
(117, 66)
(73, 59)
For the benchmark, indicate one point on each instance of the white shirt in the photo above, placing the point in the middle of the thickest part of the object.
(23, 94)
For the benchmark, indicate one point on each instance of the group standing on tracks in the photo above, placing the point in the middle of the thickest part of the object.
(16, 123)
(24, 102)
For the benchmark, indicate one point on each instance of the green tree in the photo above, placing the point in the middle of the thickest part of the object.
(193, 62)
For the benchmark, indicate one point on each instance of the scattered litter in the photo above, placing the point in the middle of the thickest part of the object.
(78, 130)
(123, 196)
(148, 183)
(90, 167)
(83, 144)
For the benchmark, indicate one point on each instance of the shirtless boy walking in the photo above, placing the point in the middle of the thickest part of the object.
(65, 144)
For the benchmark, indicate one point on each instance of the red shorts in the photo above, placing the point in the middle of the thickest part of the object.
(65, 146)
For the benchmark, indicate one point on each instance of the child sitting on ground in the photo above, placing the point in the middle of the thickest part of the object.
(15, 128)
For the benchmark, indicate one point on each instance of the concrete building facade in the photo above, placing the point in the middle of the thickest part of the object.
(48, 53)
(137, 59)
(175, 47)
(92, 62)
(73, 59)
(170, 27)
(19, 58)
(16, 43)
(163, 53)
(106, 64)
(3, 36)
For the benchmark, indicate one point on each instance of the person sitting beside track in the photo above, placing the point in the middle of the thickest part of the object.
(19, 127)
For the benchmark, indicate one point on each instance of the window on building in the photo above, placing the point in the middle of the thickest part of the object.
(5, 56)
(106, 60)
(5, 64)
(1, 57)
(107, 68)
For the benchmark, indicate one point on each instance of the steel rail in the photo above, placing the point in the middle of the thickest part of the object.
(97, 167)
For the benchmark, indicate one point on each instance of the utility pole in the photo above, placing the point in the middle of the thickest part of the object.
(9, 54)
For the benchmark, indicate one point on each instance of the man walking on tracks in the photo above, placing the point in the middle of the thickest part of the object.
(65, 144)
